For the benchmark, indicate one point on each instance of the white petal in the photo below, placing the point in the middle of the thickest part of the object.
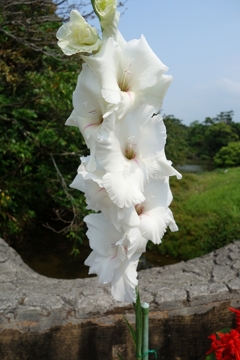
(155, 216)
(124, 281)
(102, 266)
(71, 121)
(145, 68)
(152, 137)
(153, 224)
(95, 195)
(128, 217)
(111, 30)
(165, 167)
(78, 183)
(172, 225)
(137, 243)
(129, 101)
(105, 66)
(154, 95)
(110, 156)
(157, 193)
(121, 192)
(87, 99)
(102, 234)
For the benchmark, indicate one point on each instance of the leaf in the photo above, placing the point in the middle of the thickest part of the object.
(132, 331)
(223, 331)
(211, 357)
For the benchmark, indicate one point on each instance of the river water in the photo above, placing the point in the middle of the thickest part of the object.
(195, 166)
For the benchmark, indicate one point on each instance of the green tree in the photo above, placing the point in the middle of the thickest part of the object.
(177, 149)
(39, 155)
(218, 135)
(225, 117)
(30, 22)
(207, 138)
(236, 128)
(196, 140)
(228, 155)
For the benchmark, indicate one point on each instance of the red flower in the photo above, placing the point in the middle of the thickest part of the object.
(237, 312)
(226, 346)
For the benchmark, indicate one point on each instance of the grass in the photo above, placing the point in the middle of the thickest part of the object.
(206, 207)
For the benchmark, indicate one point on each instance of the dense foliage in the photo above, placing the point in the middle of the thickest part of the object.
(207, 138)
(39, 154)
(177, 147)
(228, 155)
(202, 141)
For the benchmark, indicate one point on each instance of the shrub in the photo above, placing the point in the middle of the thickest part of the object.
(228, 155)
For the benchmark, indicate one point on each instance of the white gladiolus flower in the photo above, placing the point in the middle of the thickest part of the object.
(89, 107)
(129, 75)
(154, 214)
(77, 36)
(150, 219)
(126, 150)
(97, 198)
(109, 258)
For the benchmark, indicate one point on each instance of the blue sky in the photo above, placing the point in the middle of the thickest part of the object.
(200, 43)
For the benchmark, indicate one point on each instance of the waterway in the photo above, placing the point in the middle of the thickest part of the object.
(195, 166)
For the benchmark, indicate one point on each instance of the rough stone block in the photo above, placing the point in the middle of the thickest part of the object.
(51, 319)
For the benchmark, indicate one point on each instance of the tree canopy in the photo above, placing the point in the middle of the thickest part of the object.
(37, 151)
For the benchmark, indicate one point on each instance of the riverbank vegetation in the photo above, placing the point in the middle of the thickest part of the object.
(216, 140)
(39, 154)
(206, 207)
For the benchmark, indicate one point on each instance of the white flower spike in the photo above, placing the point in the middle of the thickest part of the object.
(126, 176)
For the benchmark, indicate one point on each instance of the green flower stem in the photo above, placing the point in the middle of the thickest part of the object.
(139, 328)
(145, 330)
(95, 9)
(96, 12)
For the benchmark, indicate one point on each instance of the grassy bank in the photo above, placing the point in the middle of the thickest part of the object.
(206, 207)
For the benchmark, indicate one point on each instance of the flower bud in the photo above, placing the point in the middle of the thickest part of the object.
(77, 36)
(105, 10)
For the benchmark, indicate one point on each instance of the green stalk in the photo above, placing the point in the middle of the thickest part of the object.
(138, 322)
(145, 333)
(95, 9)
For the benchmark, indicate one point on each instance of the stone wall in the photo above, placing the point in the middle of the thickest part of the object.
(49, 319)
